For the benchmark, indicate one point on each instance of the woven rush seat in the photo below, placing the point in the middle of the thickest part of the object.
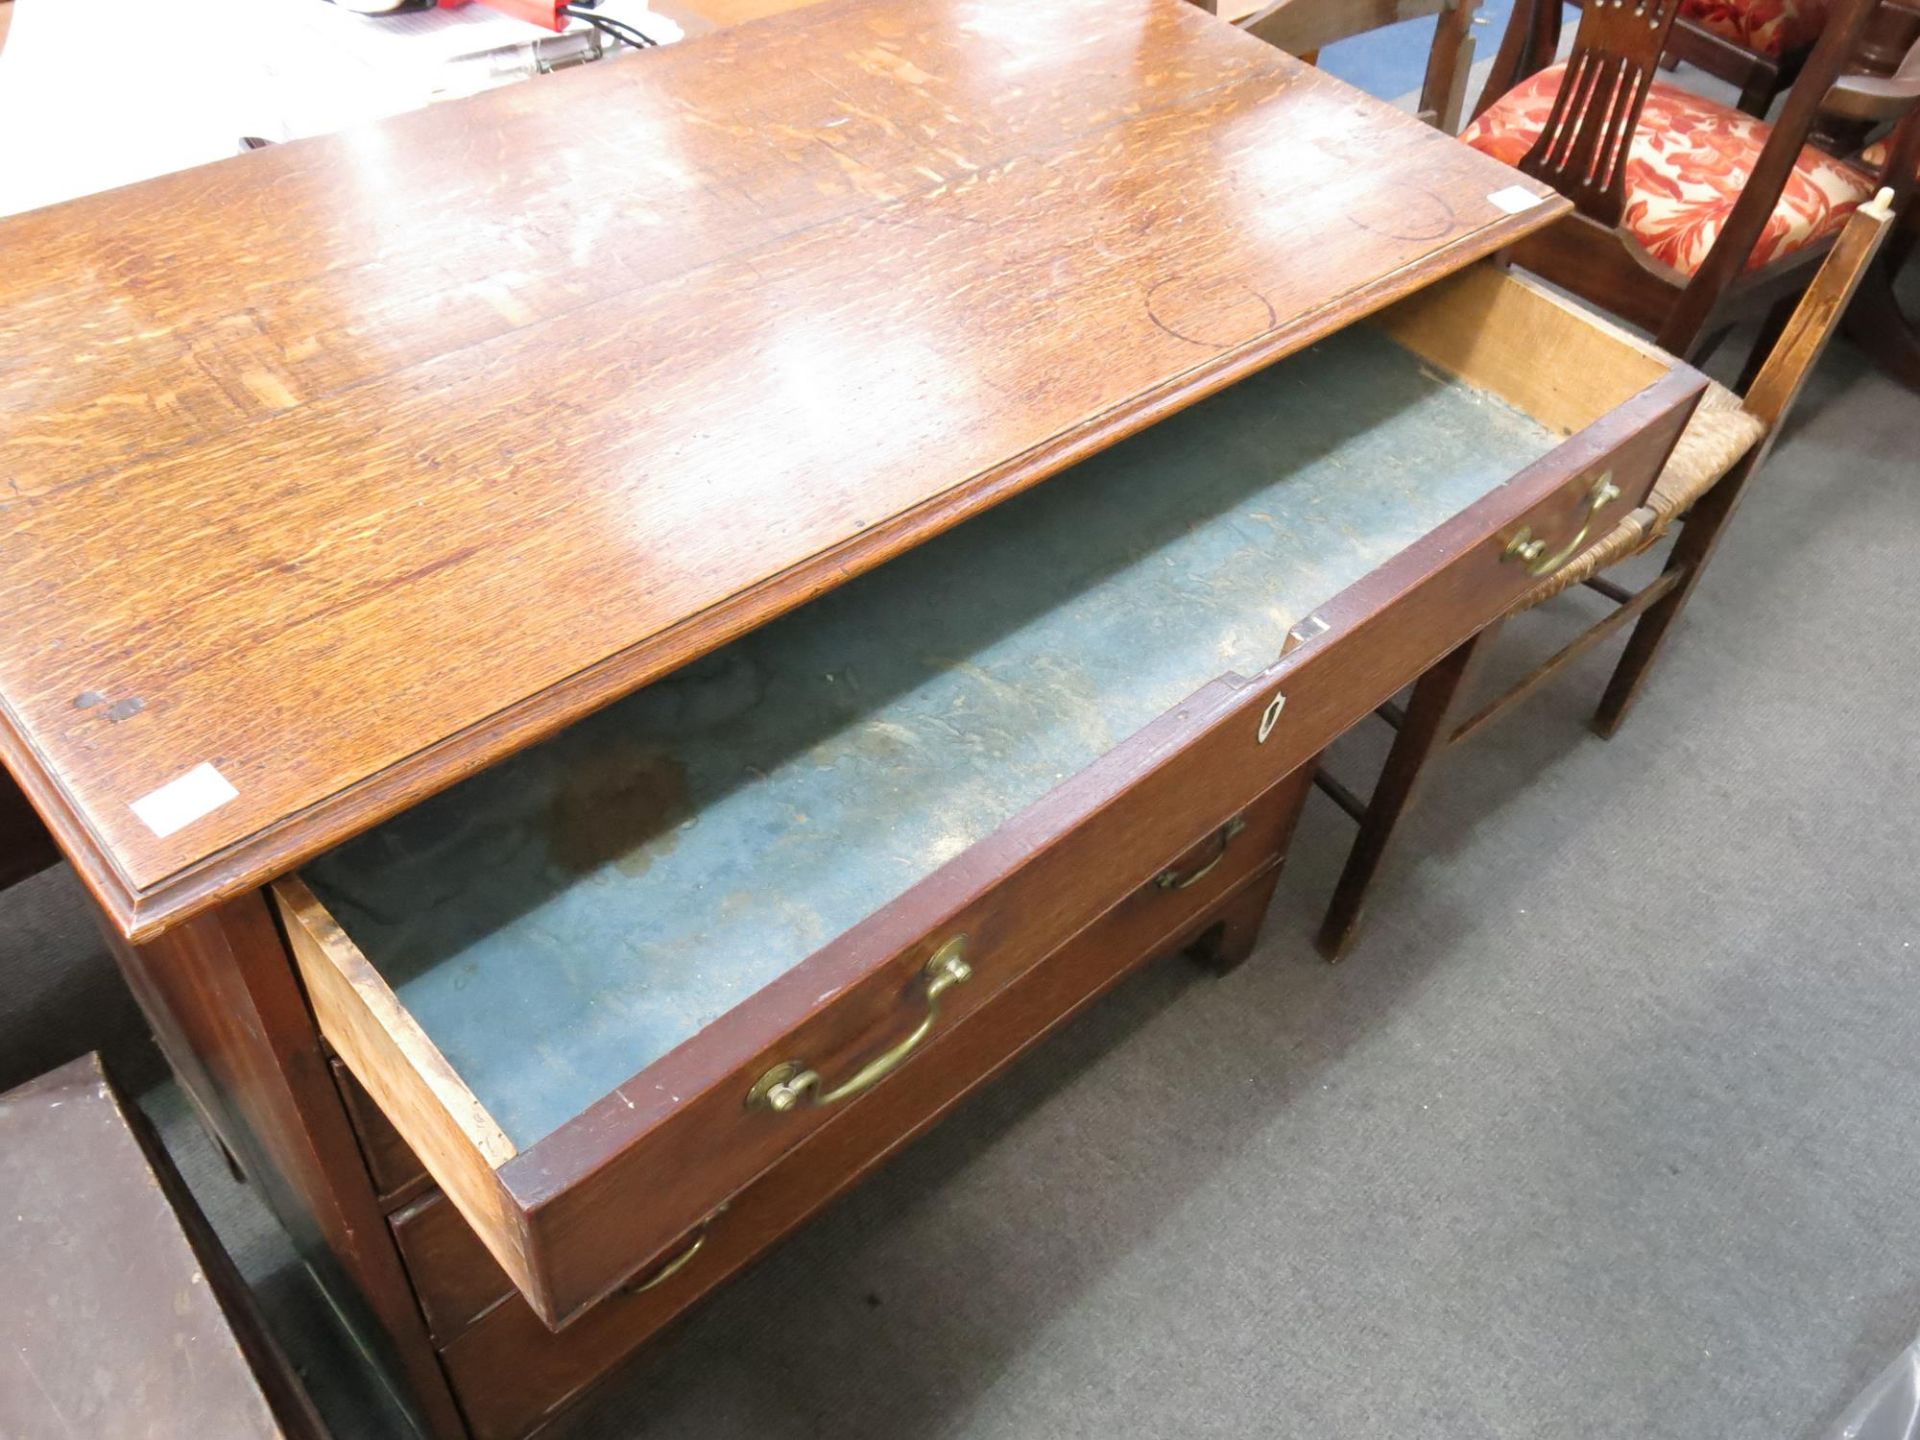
(1720, 432)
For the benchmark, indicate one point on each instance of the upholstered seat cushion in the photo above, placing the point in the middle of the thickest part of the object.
(1689, 158)
(1771, 27)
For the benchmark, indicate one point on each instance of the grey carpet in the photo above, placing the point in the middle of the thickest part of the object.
(1611, 1126)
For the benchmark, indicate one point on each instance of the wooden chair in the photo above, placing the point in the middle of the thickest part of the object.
(1760, 45)
(1756, 45)
(1689, 212)
(1305, 27)
(1725, 443)
(1875, 322)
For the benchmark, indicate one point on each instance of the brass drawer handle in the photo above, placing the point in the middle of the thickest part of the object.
(1174, 880)
(1524, 547)
(782, 1087)
(678, 1263)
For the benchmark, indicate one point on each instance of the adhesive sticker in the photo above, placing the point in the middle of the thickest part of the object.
(179, 803)
(1514, 199)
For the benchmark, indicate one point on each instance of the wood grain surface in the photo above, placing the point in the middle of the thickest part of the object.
(351, 465)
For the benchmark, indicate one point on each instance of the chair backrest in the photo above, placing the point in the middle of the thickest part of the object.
(1582, 149)
(1304, 27)
(1869, 99)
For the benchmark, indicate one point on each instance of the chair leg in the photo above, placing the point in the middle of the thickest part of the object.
(1699, 534)
(1636, 660)
(1875, 322)
(1443, 92)
(1757, 98)
(1524, 50)
(1436, 699)
(1771, 330)
(1226, 946)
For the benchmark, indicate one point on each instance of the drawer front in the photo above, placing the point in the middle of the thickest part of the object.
(398, 1175)
(453, 1276)
(457, 1280)
(512, 1373)
(623, 1184)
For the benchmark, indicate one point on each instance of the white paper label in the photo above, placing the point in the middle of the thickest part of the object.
(179, 803)
(1514, 199)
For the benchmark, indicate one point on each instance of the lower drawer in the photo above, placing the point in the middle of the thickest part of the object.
(398, 1175)
(457, 1280)
(512, 1374)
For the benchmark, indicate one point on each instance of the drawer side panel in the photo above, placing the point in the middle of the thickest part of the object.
(398, 1066)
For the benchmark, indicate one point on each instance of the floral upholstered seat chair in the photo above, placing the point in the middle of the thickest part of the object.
(1687, 211)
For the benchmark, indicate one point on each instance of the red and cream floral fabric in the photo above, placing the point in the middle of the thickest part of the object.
(1772, 27)
(1686, 166)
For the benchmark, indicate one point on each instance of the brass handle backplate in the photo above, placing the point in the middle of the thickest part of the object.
(1174, 880)
(1531, 551)
(788, 1083)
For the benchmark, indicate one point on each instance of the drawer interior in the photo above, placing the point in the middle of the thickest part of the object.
(559, 922)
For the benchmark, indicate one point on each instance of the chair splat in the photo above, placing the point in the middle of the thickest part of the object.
(1582, 149)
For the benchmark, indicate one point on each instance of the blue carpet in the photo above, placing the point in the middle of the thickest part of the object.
(1389, 62)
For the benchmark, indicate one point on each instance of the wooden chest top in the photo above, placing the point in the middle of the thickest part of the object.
(352, 465)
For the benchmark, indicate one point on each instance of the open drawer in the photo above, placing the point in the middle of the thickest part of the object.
(602, 987)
